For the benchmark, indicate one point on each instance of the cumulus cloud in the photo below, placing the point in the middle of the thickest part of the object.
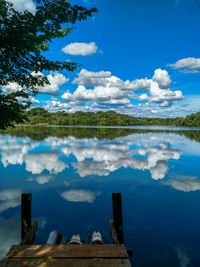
(13, 150)
(98, 93)
(154, 111)
(184, 183)
(80, 49)
(37, 163)
(31, 99)
(152, 154)
(11, 88)
(56, 105)
(123, 101)
(84, 74)
(189, 65)
(44, 179)
(102, 89)
(55, 80)
(22, 5)
(154, 159)
(162, 78)
(9, 198)
(106, 79)
(160, 170)
(79, 195)
(161, 96)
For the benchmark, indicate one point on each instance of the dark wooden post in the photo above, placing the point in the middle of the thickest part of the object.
(117, 216)
(25, 214)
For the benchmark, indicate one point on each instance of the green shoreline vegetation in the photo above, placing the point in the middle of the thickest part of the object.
(42, 119)
(110, 118)
(39, 133)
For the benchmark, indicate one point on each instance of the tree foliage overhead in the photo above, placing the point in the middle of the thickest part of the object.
(23, 39)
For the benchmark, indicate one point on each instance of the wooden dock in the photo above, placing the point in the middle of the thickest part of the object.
(107, 255)
(55, 254)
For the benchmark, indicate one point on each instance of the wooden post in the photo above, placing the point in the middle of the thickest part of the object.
(113, 232)
(30, 235)
(25, 214)
(117, 216)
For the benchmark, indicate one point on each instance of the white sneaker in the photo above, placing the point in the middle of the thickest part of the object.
(75, 240)
(97, 238)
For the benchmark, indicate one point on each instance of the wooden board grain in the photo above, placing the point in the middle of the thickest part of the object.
(68, 251)
(65, 263)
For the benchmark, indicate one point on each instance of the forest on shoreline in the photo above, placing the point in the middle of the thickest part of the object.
(39, 116)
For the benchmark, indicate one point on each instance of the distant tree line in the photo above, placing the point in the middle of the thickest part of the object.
(110, 118)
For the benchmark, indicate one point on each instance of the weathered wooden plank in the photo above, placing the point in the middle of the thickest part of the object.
(66, 263)
(68, 251)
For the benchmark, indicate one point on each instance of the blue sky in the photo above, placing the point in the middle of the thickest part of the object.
(138, 57)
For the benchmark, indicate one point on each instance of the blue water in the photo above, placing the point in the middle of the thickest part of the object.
(72, 178)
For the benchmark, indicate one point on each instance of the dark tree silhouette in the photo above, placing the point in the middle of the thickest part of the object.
(23, 38)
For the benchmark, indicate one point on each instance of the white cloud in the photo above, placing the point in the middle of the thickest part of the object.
(102, 91)
(11, 88)
(9, 198)
(79, 195)
(55, 79)
(37, 163)
(84, 74)
(143, 97)
(151, 152)
(123, 101)
(44, 179)
(98, 93)
(162, 78)
(184, 183)
(162, 95)
(22, 5)
(160, 170)
(13, 151)
(154, 111)
(106, 157)
(80, 49)
(160, 89)
(189, 65)
(56, 105)
(109, 92)
(106, 79)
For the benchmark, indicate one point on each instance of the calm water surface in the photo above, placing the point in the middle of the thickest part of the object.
(72, 173)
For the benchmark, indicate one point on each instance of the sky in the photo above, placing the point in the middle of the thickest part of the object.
(137, 57)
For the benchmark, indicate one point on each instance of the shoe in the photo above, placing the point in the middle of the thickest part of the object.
(75, 240)
(97, 238)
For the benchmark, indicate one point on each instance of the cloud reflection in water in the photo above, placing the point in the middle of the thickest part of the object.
(79, 195)
(93, 157)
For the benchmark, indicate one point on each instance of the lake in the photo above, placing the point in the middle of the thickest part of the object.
(72, 172)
